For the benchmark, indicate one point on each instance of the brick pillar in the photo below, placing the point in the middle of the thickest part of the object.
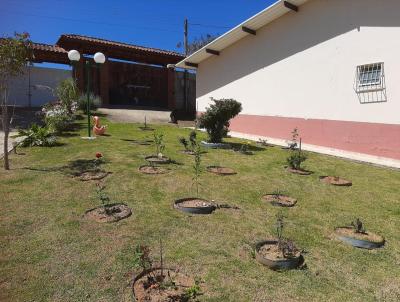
(104, 83)
(171, 88)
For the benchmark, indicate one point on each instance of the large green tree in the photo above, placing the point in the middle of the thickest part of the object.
(14, 57)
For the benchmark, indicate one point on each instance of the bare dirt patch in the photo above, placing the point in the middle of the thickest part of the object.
(298, 171)
(336, 181)
(221, 170)
(280, 200)
(154, 287)
(349, 232)
(92, 175)
(147, 169)
(109, 213)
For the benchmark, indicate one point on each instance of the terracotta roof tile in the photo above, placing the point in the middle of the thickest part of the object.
(118, 44)
(47, 47)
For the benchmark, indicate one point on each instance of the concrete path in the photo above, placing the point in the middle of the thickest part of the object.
(136, 115)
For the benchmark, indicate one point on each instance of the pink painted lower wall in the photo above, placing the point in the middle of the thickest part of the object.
(368, 138)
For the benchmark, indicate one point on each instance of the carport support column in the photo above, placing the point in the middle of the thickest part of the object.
(79, 73)
(105, 84)
(171, 88)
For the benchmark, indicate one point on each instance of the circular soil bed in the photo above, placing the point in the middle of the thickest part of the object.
(221, 170)
(362, 240)
(300, 172)
(157, 160)
(280, 200)
(92, 175)
(267, 253)
(336, 181)
(113, 213)
(147, 169)
(151, 286)
(193, 205)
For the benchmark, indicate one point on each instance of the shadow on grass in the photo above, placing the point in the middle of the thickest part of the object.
(73, 168)
(239, 146)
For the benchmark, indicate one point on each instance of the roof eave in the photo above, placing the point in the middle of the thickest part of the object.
(255, 22)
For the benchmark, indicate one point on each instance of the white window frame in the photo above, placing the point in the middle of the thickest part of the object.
(370, 77)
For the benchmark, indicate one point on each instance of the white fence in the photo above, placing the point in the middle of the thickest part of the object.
(35, 87)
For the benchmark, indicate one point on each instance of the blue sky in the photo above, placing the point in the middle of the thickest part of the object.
(152, 23)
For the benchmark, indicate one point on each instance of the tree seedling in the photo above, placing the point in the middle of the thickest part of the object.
(103, 197)
(296, 158)
(292, 144)
(197, 169)
(285, 246)
(358, 226)
(159, 143)
(183, 141)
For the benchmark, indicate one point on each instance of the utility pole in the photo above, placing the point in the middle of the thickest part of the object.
(185, 73)
(185, 37)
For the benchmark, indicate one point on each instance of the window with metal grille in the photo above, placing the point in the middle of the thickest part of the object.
(370, 77)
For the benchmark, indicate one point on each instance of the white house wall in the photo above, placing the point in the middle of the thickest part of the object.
(303, 65)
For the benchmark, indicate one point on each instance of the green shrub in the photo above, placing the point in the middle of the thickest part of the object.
(94, 102)
(216, 118)
(296, 159)
(68, 94)
(37, 136)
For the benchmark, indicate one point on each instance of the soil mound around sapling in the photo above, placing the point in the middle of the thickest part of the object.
(91, 175)
(349, 232)
(280, 200)
(193, 205)
(157, 159)
(109, 213)
(336, 181)
(151, 286)
(269, 254)
(152, 170)
(221, 170)
(299, 171)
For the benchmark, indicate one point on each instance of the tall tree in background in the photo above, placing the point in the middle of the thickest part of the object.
(14, 57)
(198, 43)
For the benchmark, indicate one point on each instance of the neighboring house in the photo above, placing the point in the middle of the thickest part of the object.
(329, 67)
(132, 76)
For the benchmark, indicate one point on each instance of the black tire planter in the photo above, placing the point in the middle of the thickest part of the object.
(157, 160)
(205, 210)
(359, 243)
(284, 264)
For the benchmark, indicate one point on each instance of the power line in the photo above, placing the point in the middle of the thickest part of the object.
(90, 21)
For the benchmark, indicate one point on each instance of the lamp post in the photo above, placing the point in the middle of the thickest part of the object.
(98, 58)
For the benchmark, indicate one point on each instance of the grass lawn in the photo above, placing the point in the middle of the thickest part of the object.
(49, 252)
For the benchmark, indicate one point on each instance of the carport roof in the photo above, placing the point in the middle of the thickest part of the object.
(118, 50)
